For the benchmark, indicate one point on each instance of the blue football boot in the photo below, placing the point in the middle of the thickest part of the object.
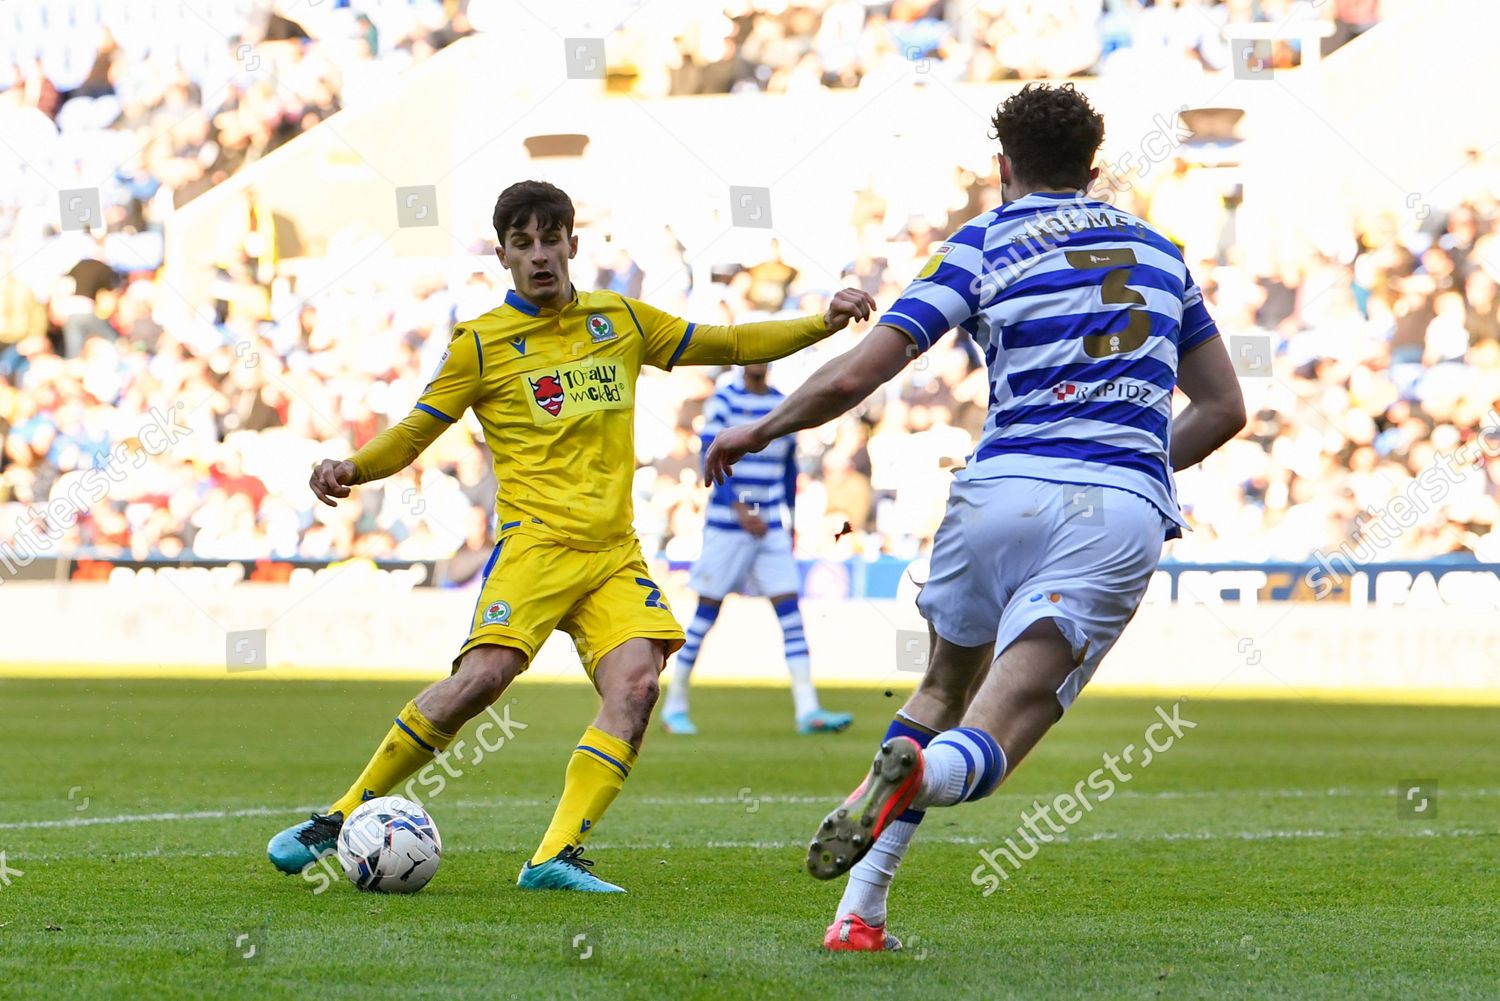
(567, 870)
(300, 845)
(678, 723)
(823, 721)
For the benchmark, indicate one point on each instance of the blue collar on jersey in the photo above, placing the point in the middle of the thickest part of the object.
(515, 302)
(520, 305)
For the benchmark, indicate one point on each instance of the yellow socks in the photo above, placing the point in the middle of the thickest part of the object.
(412, 743)
(596, 773)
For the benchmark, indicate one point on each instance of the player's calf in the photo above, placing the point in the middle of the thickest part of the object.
(598, 768)
(674, 716)
(421, 730)
(629, 689)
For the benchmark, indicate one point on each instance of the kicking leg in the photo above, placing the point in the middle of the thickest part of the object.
(938, 703)
(626, 678)
(1050, 642)
(1052, 629)
(1014, 708)
(674, 714)
(423, 728)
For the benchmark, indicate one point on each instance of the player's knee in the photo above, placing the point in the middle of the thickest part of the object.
(489, 670)
(635, 690)
(642, 693)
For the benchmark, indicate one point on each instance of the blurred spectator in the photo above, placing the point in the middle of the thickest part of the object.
(770, 281)
(793, 48)
(1351, 18)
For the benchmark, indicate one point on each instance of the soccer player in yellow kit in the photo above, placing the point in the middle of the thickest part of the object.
(551, 376)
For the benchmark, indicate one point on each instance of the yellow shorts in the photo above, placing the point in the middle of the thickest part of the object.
(533, 586)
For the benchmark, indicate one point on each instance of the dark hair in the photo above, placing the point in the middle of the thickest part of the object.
(521, 201)
(1050, 134)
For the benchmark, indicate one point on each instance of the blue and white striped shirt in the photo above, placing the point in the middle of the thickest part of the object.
(766, 481)
(1083, 311)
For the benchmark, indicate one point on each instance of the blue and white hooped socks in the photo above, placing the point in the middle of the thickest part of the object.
(682, 667)
(960, 765)
(798, 664)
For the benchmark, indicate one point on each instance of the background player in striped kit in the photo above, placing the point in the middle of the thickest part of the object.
(747, 549)
(1089, 320)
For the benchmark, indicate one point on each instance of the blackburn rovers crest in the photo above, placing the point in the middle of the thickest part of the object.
(600, 329)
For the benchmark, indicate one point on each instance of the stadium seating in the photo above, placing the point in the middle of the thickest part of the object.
(1381, 349)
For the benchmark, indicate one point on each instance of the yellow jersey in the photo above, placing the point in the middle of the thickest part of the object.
(554, 391)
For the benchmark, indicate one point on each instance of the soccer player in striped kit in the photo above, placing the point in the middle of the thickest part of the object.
(1089, 321)
(747, 549)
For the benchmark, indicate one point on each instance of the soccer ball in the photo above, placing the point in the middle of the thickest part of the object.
(390, 845)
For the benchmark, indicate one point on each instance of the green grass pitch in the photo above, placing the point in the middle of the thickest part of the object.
(1262, 856)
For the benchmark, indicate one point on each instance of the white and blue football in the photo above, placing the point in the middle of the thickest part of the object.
(390, 845)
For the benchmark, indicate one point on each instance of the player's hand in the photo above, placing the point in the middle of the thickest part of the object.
(750, 520)
(331, 480)
(848, 304)
(729, 447)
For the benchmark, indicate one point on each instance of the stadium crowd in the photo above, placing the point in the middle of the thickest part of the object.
(161, 133)
(782, 47)
(136, 424)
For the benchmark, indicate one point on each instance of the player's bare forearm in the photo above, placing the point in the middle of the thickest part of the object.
(1216, 409)
(832, 390)
(397, 447)
(842, 383)
(750, 519)
(1199, 431)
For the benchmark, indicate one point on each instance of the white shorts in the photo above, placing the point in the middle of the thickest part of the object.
(736, 562)
(1012, 551)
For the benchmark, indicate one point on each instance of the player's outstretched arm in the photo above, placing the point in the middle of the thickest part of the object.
(1216, 407)
(769, 340)
(830, 391)
(391, 450)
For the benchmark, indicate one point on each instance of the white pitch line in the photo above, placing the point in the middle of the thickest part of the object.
(292, 811)
(748, 798)
(784, 845)
(1335, 793)
(1164, 836)
(152, 818)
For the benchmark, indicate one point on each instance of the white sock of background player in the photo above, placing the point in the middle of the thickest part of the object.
(798, 664)
(682, 667)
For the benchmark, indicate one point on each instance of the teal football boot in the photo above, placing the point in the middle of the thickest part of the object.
(300, 845)
(678, 723)
(567, 870)
(823, 721)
